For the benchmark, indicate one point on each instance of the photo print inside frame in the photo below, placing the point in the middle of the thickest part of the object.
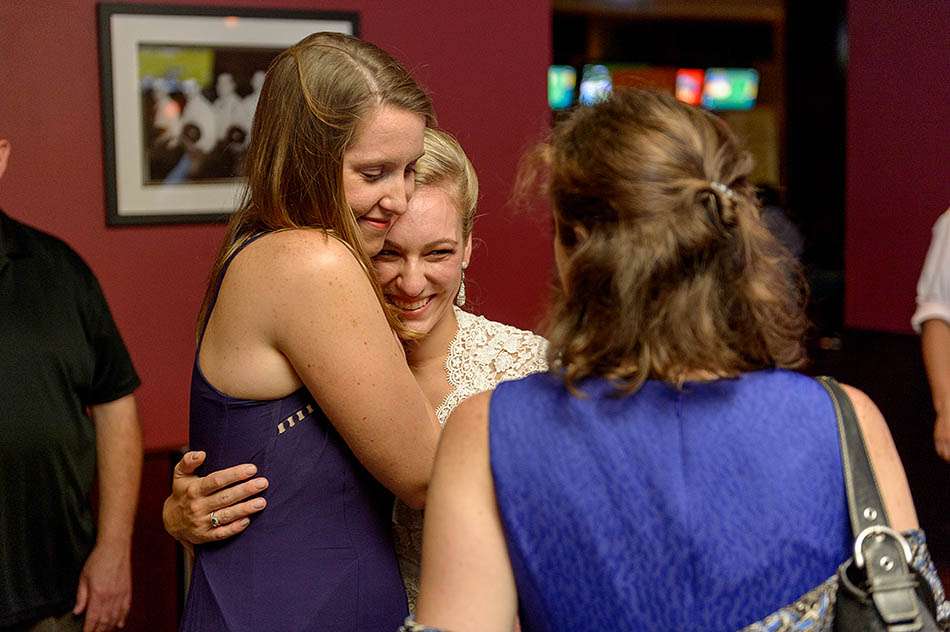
(197, 107)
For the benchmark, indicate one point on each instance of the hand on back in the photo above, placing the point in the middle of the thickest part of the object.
(227, 493)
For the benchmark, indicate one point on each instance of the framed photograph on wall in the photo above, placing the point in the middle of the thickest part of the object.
(179, 90)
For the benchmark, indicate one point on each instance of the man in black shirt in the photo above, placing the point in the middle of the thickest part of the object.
(67, 416)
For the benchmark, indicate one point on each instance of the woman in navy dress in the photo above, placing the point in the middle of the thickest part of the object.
(297, 369)
(672, 471)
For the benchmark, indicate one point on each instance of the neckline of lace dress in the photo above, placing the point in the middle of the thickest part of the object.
(464, 320)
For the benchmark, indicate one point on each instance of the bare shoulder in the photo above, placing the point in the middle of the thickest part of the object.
(305, 283)
(299, 271)
(870, 418)
(466, 431)
(286, 283)
(885, 460)
(874, 427)
(301, 254)
(283, 296)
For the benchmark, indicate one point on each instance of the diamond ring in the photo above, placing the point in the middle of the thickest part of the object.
(215, 523)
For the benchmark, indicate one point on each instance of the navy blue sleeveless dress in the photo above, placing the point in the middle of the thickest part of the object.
(320, 556)
(699, 509)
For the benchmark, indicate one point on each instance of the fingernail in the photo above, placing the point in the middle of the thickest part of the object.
(259, 503)
(250, 470)
(245, 522)
(261, 484)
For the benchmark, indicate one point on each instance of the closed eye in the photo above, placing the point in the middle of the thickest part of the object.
(372, 175)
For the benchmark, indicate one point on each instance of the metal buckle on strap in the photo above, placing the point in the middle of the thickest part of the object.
(879, 530)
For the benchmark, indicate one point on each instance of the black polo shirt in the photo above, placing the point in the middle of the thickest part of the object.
(60, 352)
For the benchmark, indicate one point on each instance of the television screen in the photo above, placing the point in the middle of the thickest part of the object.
(730, 89)
(595, 84)
(661, 78)
(689, 85)
(561, 83)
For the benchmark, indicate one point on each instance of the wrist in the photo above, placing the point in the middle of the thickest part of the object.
(941, 405)
(114, 543)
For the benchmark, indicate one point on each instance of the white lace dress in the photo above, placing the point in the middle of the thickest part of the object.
(482, 354)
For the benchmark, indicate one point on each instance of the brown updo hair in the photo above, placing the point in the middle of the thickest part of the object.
(667, 271)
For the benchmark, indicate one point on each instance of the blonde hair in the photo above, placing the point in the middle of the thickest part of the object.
(668, 271)
(445, 164)
(314, 96)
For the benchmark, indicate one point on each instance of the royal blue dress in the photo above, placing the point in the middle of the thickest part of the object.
(699, 509)
(320, 556)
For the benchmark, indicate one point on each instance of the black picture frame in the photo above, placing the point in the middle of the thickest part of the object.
(166, 159)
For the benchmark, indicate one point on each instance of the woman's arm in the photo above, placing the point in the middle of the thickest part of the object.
(935, 341)
(467, 581)
(330, 326)
(885, 461)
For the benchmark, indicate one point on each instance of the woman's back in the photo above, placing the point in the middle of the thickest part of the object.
(704, 508)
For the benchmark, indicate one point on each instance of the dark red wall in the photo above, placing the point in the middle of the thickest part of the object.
(898, 153)
(484, 62)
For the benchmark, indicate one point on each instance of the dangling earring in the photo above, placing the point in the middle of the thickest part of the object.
(460, 297)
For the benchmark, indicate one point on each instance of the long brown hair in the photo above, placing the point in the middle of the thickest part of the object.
(667, 270)
(314, 96)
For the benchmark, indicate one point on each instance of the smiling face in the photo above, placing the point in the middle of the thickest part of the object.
(379, 170)
(420, 265)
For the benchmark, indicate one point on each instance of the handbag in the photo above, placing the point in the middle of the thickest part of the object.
(878, 589)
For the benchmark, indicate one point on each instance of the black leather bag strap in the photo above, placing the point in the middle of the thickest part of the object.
(881, 554)
(865, 506)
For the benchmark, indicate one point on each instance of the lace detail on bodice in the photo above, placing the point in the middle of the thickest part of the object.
(482, 354)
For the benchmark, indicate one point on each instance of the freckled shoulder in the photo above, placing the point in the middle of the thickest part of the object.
(286, 258)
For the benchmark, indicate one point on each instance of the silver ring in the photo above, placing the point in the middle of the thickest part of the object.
(215, 523)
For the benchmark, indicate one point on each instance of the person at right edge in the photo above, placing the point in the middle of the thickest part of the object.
(932, 321)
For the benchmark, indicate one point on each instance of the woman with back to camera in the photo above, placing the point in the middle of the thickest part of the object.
(455, 355)
(671, 472)
(298, 370)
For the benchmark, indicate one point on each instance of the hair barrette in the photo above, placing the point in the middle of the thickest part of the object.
(724, 190)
